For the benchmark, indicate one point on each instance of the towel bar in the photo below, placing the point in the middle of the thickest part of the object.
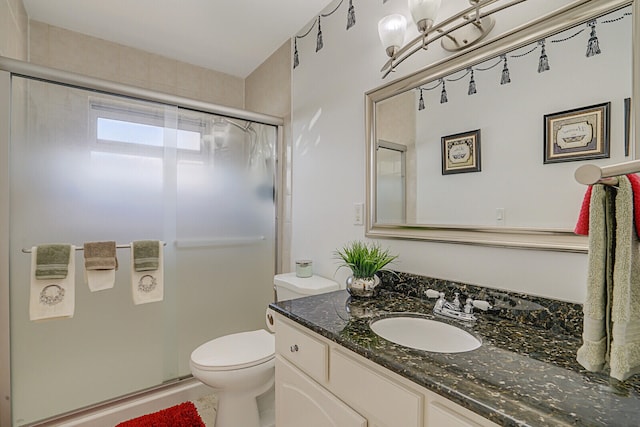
(80, 248)
(220, 241)
(592, 174)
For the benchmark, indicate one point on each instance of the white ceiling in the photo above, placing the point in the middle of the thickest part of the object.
(232, 36)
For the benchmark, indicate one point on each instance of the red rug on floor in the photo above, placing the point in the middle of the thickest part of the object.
(182, 415)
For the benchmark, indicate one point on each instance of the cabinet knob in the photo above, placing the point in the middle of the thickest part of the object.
(294, 348)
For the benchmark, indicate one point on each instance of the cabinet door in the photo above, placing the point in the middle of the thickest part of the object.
(302, 402)
(440, 415)
(303, 351)
(373, 393)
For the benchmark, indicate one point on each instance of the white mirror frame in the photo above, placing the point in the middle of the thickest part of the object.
(521, 238)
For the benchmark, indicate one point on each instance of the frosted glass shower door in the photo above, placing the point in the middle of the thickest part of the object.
(70, 186)
(225, 245)
(87, 166)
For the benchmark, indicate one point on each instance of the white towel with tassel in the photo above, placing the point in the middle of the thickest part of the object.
(52, 298)
(148, 286)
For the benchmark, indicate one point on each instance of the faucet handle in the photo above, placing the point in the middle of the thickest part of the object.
(468, 307)
(456, 300)
(430, 293)
(470, 303)
(482, 305)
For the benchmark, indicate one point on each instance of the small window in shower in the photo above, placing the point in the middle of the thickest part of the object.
(143, 130)
(143, 134)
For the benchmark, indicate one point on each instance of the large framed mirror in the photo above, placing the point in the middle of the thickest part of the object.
(491, 105)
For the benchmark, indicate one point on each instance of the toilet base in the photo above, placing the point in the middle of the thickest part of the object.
(239, 409)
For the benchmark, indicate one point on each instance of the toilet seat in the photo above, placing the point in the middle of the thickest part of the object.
(235, 351)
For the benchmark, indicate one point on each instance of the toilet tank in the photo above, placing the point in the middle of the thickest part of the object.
(289, 286)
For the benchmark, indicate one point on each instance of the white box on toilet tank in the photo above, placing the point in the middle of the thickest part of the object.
(289, 286)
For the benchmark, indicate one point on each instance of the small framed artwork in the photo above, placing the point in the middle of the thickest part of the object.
(461, 152)
(578, 134)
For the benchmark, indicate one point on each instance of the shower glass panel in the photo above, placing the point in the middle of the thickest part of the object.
(87, 166)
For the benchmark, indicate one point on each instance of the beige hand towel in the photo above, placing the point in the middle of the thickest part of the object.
(594, 351)
(100, 265)
(625, 309)
(52, 298)
(148, 285)
(100, 256)
(612, 308)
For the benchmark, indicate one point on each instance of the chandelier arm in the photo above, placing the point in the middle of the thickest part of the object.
(407, 51)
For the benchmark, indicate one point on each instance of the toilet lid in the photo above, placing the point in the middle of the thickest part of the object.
(235, 351)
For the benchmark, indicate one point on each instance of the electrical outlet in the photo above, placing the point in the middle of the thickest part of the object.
(358, 214)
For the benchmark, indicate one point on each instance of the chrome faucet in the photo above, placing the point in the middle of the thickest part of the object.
(454, 309)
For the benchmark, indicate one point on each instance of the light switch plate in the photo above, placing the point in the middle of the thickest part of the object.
(358, 213)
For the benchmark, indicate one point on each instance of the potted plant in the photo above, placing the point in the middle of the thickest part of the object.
(364, 260)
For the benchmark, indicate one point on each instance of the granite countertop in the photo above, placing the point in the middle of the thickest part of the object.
(522, 375)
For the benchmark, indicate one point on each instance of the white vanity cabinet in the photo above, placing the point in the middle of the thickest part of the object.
(301, 366)
(300, 401)
(320, 383)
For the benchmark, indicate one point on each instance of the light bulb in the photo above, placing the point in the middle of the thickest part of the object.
(424, 12)
(391, 30)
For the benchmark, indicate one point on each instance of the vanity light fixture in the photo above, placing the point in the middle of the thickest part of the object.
(455, 33)
(424, 13)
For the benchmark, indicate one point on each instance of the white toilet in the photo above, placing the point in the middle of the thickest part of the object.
(240, 367)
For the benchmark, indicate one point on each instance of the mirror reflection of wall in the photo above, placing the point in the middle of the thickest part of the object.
(514, 180)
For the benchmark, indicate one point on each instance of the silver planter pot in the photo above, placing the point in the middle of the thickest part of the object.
(362, 287)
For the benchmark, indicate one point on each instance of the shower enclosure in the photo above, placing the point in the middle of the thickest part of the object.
(89, 165)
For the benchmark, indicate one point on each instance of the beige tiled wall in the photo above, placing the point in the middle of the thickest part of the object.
(268, 91)
(70, 51)
(13, 29)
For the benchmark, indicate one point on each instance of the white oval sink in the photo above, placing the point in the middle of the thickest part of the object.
(425, 334)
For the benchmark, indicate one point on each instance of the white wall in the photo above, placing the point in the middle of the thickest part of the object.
(329, 162)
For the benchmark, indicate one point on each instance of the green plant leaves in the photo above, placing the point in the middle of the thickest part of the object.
(364, 259)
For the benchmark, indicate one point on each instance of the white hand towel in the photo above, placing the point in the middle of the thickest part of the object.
(99, 280)
(52, 298)
(148, 286)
